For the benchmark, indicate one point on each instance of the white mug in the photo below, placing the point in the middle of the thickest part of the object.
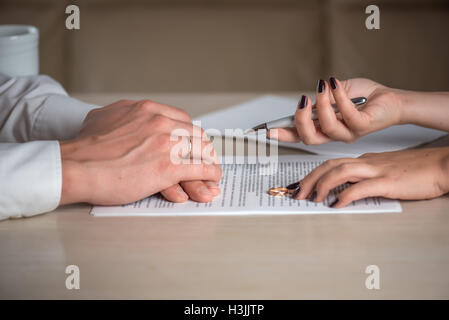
(19, 50)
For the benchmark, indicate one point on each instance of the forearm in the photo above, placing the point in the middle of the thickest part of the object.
(426, 109)
(38, 108)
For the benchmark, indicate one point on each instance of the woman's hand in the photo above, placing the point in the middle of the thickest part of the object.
(123, 153)
(411, 174)
(382, 110)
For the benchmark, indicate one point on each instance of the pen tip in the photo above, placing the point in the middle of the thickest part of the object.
(262, 126)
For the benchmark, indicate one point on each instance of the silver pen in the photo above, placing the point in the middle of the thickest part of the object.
(289, 121)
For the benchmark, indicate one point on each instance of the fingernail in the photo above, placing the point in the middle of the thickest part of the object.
(302, 102)
(333, 203)
(333, 83)
(320, 86)
(211, 184)
(181, 192)
(313, 196)
(204, 191)
(293, 185)
(213, 187)
(295, 194)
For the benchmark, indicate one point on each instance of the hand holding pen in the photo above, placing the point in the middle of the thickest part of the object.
(381, 110)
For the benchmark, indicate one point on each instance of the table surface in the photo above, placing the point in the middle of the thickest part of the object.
(236, 257)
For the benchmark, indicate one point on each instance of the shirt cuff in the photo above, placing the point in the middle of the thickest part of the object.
(62, 117)
(30, 178)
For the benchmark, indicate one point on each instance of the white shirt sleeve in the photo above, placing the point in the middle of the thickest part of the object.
(30, 178)
(35, 112)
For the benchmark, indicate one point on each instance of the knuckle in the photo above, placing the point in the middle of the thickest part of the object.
(184, 115)
(344, 168)
(328, 129)
(180, 113)
(163, 141)
(307, 140)
(330, 162)
(161, 121)
(123, 101)
(147, 102)
(321, 186)
(146, 105)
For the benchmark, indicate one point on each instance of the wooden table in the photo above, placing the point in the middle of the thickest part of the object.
(239, 257)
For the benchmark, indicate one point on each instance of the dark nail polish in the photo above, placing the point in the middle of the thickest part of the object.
(333, 83)
(295, 194)
(293, 185)
(302, 102)
(333, 203)
(320, 86)
(313, 196)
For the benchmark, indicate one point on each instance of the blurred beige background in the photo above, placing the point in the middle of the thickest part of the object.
(236, 45)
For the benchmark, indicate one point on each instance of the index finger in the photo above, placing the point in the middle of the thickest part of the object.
(309, 182)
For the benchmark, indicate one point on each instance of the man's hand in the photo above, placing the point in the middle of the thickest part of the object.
(123, 154)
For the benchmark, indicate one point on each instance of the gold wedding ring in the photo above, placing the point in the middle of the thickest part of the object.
(278, 191)
(188, 154)
(190, 147)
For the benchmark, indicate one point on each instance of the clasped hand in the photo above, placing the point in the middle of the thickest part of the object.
(123, 153)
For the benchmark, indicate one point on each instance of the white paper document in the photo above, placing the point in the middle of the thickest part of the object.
(267, 108)
(244, 190)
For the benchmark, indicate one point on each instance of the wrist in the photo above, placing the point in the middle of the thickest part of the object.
(444, 171)
(407, 102)
(72, 174)
(398, 100)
